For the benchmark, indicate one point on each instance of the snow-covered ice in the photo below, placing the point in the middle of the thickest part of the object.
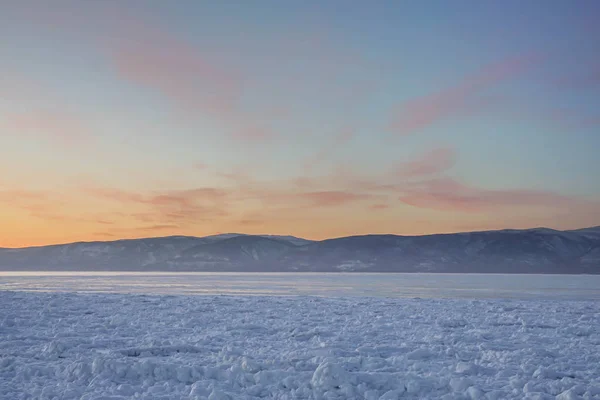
(133, 346)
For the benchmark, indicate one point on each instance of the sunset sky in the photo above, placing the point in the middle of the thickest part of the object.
(123, 119)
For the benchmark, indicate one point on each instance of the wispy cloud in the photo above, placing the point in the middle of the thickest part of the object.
(450, 195)
(333, 198)
(420, 113)
(143, 51)
(379, 206)
(194, 80)
(433, 162)
(46, 116)
(562, 119)
(590, 79)
(56, 126)
(41, 204)
(19, 195)
(161, 61)
(169, 207)
(339, 140)
(155, 228)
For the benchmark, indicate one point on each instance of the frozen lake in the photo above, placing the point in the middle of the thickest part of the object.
(91, 346)
(584, 287)
(369, 337)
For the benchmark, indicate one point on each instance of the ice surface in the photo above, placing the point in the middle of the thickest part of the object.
(315, 284)
(131, 346)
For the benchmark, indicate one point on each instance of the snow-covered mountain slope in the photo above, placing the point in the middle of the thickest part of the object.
(507, 251)
(593, 231)
(115, 255)
(248, 252)
(296, 241)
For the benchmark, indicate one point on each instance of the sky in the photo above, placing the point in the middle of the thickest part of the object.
(125, 119)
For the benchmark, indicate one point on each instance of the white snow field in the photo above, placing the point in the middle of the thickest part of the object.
(110, 346)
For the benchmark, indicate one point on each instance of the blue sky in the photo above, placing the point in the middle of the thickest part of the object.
(138, 118)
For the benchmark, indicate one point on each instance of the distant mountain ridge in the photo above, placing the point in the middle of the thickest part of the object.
(538, 250)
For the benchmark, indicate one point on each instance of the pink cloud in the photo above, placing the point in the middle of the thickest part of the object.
(45, 117)
(190, 79)
(342, 138)
(143, 51)
(116, 195)
(303, 182)
(251, 131)
(432, 162)
(428, 110)
(341, 176)
(240, 175)
(40, 204)
(583, 81)
(194, 80)
(55, 125)
(169, 207)
(379, 206)
(333, 198)
(251, 222)
(168, 197)
(19, 195)
(149, 217)
(562, 119)
(589, 122)
(450, 195)
(153, 228)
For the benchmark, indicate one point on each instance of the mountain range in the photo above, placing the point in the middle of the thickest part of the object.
(539, 250)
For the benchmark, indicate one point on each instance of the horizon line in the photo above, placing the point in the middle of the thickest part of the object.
(265, 235)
